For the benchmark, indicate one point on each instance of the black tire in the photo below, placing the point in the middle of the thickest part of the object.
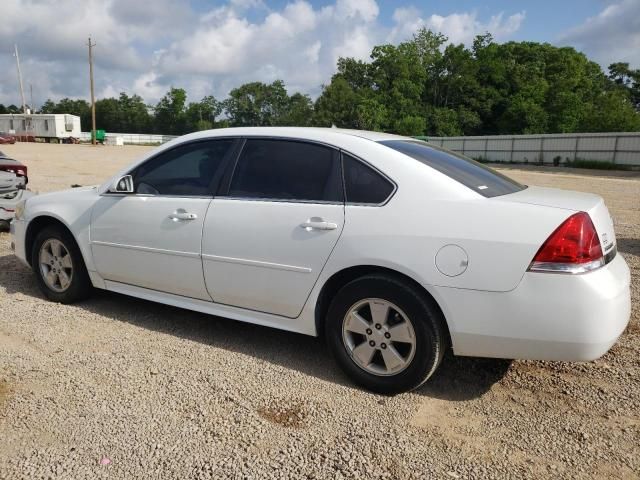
(424, 315)
(80, 286)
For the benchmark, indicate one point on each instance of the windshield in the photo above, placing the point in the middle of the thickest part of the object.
(474, 175)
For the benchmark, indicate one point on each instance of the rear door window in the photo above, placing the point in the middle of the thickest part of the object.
(478, 177)
(287, 170)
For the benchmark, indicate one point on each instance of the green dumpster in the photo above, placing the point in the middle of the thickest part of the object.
(100, 136)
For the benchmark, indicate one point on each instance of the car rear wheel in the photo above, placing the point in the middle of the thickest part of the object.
(59, 266)
(385, 334)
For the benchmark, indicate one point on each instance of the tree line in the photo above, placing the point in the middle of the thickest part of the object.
(424, 86)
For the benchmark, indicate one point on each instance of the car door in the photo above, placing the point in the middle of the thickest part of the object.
(152, 238)
(270, 233)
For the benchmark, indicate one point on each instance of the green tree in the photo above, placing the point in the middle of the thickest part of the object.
(135, 114)
(628, 80)
(611, 111)
(202, 115)
(299, 111)
(371, 115)
(337, 105)
(423, 85)
(170, 113)
(257, 104)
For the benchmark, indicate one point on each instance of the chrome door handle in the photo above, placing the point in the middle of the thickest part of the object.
(318, 225)
(182, 216)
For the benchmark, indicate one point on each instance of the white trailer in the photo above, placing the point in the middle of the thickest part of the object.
(41, 125)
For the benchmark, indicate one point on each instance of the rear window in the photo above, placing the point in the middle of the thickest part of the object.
(478, 177)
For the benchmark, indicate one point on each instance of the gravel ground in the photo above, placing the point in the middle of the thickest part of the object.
(116, 387)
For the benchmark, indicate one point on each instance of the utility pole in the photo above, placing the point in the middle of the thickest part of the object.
(24, 104)
(93, 98)
(33, 107)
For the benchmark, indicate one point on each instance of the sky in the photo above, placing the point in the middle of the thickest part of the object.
(209, 47)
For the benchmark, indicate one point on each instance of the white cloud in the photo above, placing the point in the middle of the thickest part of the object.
(299, 44)
(459, 27)
(145, 48)
(367, 10)
(611, 36)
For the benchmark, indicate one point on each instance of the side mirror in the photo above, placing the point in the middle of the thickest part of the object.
(122, 185)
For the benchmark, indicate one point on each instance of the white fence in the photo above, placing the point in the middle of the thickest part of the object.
(132, 138)
(620, 148)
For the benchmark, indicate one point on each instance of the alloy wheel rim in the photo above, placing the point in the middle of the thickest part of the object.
(56, 265)
(379, 337)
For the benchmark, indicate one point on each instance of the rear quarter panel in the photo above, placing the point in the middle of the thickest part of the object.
(428, 211)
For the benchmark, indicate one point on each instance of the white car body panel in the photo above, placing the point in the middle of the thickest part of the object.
(256, 264)
(257, 256)
(547, 317)
(134, 240)
(70, 207)
(574, 201)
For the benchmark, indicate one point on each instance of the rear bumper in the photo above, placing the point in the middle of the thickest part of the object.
(547, 317)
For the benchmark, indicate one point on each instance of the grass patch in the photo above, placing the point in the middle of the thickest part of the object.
(578, 163)
(595, 164)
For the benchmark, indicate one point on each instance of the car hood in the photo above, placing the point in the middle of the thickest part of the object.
(62, 197)
(68, 191)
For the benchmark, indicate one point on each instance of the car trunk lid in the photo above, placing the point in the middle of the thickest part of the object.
(572, 202)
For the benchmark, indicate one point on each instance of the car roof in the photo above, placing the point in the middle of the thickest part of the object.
(297, 132)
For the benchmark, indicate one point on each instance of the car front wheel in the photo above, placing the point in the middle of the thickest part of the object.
(59, 266)
(385, 334)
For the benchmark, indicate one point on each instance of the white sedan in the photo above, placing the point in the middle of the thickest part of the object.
(392, 248)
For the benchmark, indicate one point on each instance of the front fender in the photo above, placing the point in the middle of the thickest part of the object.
(71, 208)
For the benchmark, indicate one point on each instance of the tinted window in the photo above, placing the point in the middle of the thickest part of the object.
(186, 170)
(363, 184)
(472, 174)
(287, 170)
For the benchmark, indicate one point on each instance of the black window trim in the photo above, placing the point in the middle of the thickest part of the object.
(223, 191)
(375, 169)
(230, 157)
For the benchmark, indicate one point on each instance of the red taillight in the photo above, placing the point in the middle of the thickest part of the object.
(574, 247)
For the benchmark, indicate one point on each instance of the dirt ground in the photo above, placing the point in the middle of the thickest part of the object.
(117, 387)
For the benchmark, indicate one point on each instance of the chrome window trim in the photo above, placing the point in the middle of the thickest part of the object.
(150, 195)
(277, 200)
